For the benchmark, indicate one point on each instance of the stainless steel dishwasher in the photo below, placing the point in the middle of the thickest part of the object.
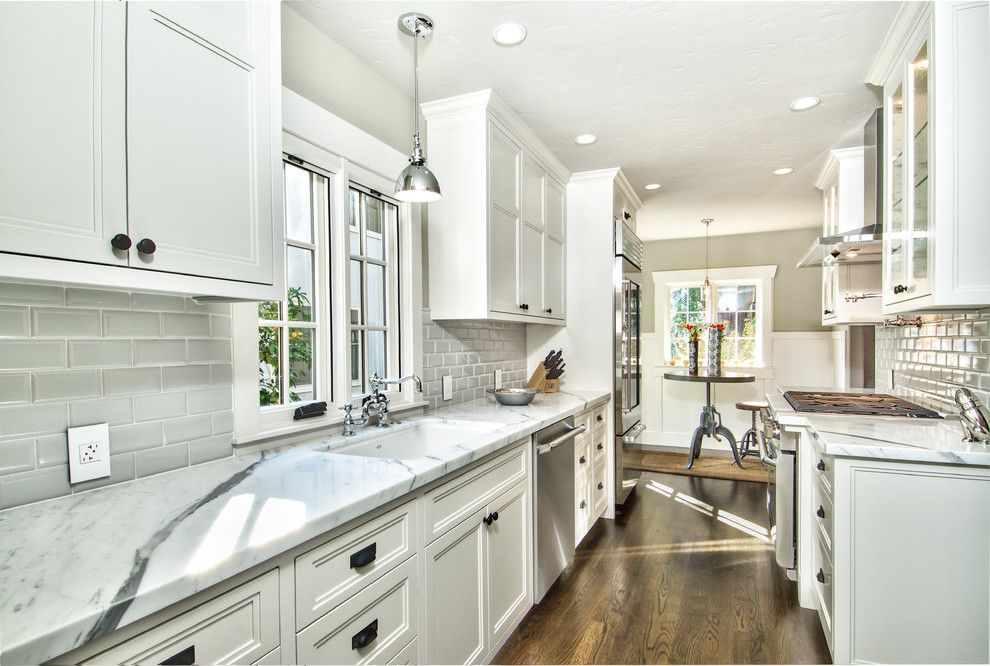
(554, 481)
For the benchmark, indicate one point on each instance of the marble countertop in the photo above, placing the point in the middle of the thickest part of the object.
(886, 437)
(76, 568)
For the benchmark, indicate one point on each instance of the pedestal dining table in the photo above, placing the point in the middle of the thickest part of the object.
(710, 423)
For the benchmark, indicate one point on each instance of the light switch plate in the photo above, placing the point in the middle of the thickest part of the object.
(89, 452)
(448, 387)
(498, 379)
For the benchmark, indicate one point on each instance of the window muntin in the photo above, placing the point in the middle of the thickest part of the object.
(373, 286)
(291, 344)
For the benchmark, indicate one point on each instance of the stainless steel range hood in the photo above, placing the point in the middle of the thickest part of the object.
(858, 246)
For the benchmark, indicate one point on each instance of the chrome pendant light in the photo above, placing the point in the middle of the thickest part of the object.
(707, 289)
(416, 183)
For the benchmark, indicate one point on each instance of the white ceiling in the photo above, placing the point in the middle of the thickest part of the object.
(693, 95)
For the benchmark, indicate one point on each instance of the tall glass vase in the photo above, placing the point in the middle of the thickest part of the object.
(714, 351)
(692, 357)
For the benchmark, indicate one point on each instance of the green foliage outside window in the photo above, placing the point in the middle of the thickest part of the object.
(300, 342)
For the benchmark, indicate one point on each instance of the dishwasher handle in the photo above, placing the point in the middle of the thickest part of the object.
(547, 447)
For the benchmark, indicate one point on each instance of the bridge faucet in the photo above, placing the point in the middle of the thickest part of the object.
(377, 399)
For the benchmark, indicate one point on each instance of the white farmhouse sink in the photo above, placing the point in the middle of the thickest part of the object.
(419, 439)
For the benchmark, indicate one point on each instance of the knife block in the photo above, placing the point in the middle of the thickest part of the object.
(538, 380)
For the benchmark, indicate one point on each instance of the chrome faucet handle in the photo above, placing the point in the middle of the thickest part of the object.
(348, 419)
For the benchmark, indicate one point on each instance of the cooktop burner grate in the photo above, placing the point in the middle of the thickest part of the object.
(877, 404)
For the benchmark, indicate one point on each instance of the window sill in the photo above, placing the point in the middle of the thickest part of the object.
(271, 435)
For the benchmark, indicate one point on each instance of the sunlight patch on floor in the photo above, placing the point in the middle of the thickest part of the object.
(714, 546)
(745, 526)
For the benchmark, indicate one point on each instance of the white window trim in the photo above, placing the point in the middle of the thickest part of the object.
(761, 276)
(344, 153)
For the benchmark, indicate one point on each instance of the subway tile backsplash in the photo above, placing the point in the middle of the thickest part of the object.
(155, 367)
(928, 364)
(470, 351)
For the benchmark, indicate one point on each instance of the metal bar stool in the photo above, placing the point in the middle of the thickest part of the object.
(749, 445)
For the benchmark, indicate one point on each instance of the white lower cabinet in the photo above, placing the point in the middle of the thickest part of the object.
(371, 627)
(590, 472)
(444, 575)
(454, 594)
(237, 627)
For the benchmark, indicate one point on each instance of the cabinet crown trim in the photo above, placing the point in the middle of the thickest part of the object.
(613, 175)
(834, 158)
(909, 16)
(488, 101)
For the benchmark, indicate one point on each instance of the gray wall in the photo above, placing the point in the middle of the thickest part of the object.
(156, 368)
(321, 70)
(797, 295)
(928, 364)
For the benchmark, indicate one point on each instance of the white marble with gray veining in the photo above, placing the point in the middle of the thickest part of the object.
(76, 568)
(886, 437)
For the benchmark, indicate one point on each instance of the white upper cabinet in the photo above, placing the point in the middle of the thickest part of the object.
(841, 182)
(934, 67)
(62, 174)
(497, 237)
(142, 135)
(199, 137)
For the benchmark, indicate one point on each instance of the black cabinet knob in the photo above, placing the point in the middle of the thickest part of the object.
(900, 288)
(487, 520)
(821, 512)
(600, 485)
(821, 465)
(583, 460)
(121, 242)
(820, 576)
(548, 310)
(146, 246)
(828, 312)
(599, 418)
(600, 446)
(495, 516)
(583, 504)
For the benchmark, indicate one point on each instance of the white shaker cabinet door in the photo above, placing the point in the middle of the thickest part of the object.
(62, 169)
(503, 222)
(553, 278)
(508, 562)
(203, 158)
(454, 594)
(531, 270)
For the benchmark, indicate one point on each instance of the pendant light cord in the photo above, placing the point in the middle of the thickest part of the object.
(416, 80)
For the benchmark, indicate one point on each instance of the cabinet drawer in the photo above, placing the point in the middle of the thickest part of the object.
(599, 492)
(823, 515)
(822, 463)
(582, 454)
(273, 658)
(822, 572)
(372, 626)
(599, 418)
(238, 627)
(599, 446)
(449, 504)
(408, 655)
(582, 507)
(584, 418)
(333, 572)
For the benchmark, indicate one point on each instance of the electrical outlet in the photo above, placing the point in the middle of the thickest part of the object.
(498, 379)
(448, 387)
(89, 452)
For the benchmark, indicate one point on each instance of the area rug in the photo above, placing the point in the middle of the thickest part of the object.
(708, 465)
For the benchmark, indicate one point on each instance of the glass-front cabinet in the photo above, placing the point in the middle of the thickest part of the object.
(907, 260)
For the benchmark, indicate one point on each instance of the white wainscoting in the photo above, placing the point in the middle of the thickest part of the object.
(671, 409)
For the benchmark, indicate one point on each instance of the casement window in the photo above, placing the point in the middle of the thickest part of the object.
(373, 305)
(738, 298)
(294, 363)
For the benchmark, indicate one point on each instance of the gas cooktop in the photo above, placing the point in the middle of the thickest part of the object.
(864, 404)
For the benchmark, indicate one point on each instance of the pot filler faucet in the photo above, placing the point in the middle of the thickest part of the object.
(376, 401)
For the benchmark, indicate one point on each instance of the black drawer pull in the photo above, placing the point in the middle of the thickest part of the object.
(583, 460)
(599, 418)
(365, 556)
(121, 242)
(146, 246)
(600, 446)
(821, 512)
(821, 465)
(488, 520)
(600, 485)
(495, 516)
(583, 504)
(187, 656)
(820, 576)
(365, 636)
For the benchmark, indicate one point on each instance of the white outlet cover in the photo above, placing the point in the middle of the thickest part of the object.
(89, 452)
(448, 387)
(498, 379)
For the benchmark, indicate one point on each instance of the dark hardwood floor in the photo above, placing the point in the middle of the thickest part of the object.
(685, 576)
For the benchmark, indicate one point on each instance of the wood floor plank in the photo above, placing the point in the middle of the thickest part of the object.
(685, 576)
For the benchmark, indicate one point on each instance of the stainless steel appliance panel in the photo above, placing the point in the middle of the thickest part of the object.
(627, 383)
(554, 482)
(781, 464)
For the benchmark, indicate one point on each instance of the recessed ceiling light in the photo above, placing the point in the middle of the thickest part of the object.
(652, 186)
(805, 103)
(783, 171)
(585, 139)
(509, 34)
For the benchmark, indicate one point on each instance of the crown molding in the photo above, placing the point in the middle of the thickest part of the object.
(909, 17)
(830, 170)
